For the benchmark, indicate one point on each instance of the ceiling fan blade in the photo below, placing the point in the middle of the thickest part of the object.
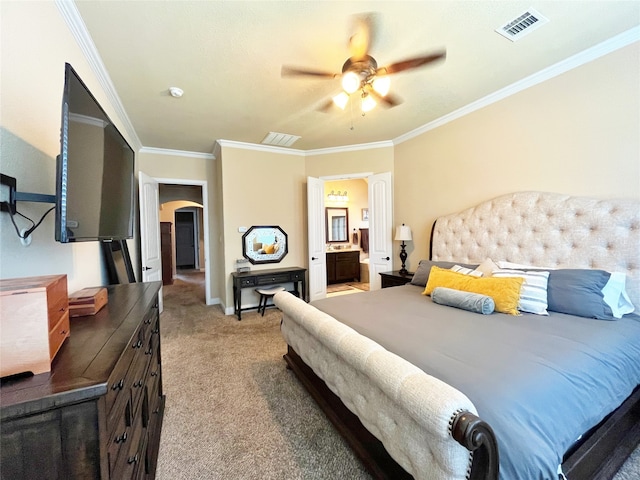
(326, 106)
(295, 71)
(411, 63)
(363, 35)
(388, 100)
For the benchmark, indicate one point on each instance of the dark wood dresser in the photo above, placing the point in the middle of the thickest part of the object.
(98, 413)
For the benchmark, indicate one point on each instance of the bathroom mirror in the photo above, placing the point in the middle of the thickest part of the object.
(262, 244)
(337, 224)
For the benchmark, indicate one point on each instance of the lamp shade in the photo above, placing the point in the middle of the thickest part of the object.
(403, 233)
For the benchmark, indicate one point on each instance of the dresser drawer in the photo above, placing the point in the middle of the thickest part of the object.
(247, 282)
(120, 438)
(279, 277)
(120, 381)
(58, 333)
(57, 301)
(297, 276)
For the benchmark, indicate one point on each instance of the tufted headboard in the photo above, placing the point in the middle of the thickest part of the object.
(546, 230)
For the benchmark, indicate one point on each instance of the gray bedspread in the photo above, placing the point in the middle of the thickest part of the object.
(539, 381)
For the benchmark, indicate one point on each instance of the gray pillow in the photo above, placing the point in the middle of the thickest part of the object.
(424, 268)
(578, 292)
(473, 302)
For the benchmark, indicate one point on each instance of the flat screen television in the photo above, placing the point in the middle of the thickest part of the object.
(95, 190)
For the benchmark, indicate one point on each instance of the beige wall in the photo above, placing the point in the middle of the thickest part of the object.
(578, 133)
(36, 43)
(262, 188)
(173, 166)
(373, 160)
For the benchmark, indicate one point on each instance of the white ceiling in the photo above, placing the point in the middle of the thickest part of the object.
(227, 56)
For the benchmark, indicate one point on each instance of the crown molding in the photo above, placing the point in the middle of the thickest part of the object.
(614, 43)
(349, 148)
(177, 153)
(78, 29)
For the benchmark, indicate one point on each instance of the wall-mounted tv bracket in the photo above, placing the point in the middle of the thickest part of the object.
(14, 196)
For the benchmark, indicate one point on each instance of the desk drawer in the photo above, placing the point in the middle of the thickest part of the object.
(271, 279)
(297, 276)
(247, 282)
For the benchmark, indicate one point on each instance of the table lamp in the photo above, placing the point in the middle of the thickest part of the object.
(403, 233)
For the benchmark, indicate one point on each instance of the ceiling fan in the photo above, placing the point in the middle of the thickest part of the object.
(360, 73)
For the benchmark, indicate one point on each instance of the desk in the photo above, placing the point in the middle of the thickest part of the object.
(261, 278)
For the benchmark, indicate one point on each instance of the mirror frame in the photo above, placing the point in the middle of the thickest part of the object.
(328, 226)
(255, 257)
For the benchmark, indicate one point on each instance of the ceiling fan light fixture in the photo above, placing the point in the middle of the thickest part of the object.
(381, 85)
(368, 102)
(341, 100)
(350, 82)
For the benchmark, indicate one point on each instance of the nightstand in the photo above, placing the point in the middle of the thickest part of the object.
(395, 278)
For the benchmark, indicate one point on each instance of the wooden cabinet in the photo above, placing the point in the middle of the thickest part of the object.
(99, 413)
(34, 321)
(395, 279)
(343, 266)
(166, 252)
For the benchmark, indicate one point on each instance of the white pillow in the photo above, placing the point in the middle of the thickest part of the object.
(503, 264)
(487, 267)
(615, 295)
(466, 271)
(533, 294)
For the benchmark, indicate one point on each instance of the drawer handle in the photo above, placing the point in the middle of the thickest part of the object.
(138, 384)
(118, 385)
(133, 459)
(156, 331)
(156, 411)
(149, 352)
(147, 321)
(153, 374)
(138, 344)
(122, 438)
(63, 332)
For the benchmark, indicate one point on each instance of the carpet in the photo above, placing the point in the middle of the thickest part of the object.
(234, 411)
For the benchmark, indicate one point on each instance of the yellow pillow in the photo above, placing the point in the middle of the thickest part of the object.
(505, 291)
(268, 249)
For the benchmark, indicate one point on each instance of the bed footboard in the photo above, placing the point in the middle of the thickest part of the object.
(411, 415)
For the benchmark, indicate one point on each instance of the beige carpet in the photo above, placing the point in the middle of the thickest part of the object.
(234, 411)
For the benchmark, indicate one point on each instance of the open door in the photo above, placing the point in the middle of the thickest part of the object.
(150, 250)
(316, 235)
(380, 227)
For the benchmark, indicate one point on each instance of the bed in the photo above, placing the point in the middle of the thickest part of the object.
(418, 389)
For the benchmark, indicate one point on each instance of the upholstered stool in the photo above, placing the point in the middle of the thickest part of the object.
(265, 294)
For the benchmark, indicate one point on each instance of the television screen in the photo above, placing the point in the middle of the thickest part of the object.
(95, 191)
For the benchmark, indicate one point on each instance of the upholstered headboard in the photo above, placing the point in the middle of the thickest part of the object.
(546, 230)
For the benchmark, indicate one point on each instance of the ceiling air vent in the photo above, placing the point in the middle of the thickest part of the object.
(280, 139)
(523, 25)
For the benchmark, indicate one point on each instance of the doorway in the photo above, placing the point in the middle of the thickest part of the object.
(185, 202)
(348, 256)
(187, 239)
(379, 214)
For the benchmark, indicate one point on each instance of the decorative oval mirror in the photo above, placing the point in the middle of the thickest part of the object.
(264, 244)
(337, 224)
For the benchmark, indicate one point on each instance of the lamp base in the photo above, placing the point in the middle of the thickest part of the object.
(403, 259)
